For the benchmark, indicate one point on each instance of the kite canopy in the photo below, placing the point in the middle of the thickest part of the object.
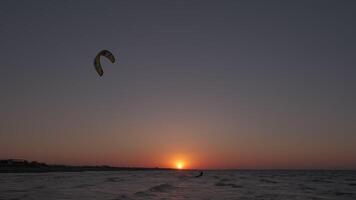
(97, 63)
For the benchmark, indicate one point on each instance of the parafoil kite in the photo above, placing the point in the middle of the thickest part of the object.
(97, 63)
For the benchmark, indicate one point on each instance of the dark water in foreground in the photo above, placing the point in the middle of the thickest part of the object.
(261, 185)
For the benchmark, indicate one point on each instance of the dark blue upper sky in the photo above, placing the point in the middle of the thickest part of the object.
(250, 83)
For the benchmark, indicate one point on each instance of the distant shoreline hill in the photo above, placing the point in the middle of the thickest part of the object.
(24, 166)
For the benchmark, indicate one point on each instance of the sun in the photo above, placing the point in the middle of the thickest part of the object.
(179, 164)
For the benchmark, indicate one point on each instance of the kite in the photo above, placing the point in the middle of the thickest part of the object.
(97, 63)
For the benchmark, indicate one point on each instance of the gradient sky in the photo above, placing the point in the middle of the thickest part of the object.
(224, 84)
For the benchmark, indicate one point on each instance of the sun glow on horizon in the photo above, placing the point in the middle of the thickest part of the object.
(179, 164)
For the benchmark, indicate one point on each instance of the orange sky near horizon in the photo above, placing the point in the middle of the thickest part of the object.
(159, 139)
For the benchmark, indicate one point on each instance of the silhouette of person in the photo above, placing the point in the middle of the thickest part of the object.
(201, 174)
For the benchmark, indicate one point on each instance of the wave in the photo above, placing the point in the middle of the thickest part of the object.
(83, 185)
(162, 188)
(268, 181)
(233, 185)
(144, 194)
(113, 179)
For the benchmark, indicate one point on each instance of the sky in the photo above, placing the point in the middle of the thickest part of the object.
(212, 84)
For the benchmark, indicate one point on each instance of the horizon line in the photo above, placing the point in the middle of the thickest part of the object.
(187, 169)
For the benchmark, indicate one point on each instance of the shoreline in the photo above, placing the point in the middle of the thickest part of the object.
(75, 169)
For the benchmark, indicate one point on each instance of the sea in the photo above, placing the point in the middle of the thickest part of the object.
(180, 184)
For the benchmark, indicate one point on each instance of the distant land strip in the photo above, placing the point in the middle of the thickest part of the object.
(24, 166)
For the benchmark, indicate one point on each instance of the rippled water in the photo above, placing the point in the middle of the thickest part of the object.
(180, 185)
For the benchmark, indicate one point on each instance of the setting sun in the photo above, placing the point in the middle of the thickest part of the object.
(180, 165)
